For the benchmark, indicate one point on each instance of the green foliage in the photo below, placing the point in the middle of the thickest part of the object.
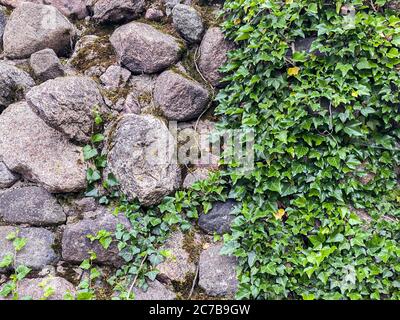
(324, 120)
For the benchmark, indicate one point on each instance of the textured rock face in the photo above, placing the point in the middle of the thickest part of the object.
(179, 266)
(213, 54)
(34, 27)
(46, 65)
(143, 49)
(14, 83)
(179, 97)
(67, 104)
(76, 245)
(41, 154)
(115, 77)
(195, 176)
(117, 10)
(36, 288)
(38, 251)
(7, 178)
(31, 205)
(188, 22)
(155, 291)
(141, 158)
(154, 14)
(394, 5)
(140, 97)
(217, 275)
(3, 21)
(219, 218)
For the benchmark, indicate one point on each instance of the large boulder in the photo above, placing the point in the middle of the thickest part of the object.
(41, 154)
(76, 245)
(46, 65)
(67, 104)
(143, 49)
(179, 97)
(217, 273)
(34, 27)
(188, 22)
(219, 218)
(14, 83)
(70, 8)
(31, 205)
(7, 178)
(141, 156)
(38, 251)
(113, 11)
(213, 54)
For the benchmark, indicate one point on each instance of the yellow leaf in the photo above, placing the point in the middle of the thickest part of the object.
(237, 21)
(279, 214)
(289, 1)
(293, 71)
(354, 94)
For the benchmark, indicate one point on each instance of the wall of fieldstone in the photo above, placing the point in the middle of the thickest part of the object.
(142, 64)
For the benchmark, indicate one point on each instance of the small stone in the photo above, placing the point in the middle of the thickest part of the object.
(179, 97)
(39, 153)
(7, 178)
(3, 21)
(154, 14)
(76, 245)
(219, 218)
(14, 83)
(86, 204)
(155, 291)
(115, 77)
(195, 176)
(179, 266)
(67, 105)
(38, 251)
(143, 49)
(34, 27)
(217, 273)
(140, 97)
(30, 205)
(188, 22)
(114, 11)
(46, 65)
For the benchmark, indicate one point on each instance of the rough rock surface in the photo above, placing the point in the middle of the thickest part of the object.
(76, 245)
(143, 49)
(46, 65)
(7, 178)
(3, 21)
(154, 14)
(219, 218)
(179, 266)
(106, 11)
(140, 96)
(195, 176)
(188, 22)
(14, 83)
(36, 288)
(155, 291)
(34, 27)
(38, 251)
(213, 54)
(179, 97)
(67, 104)
(30, 205)
(217, 274)
(141, 158)
(48, 158)
(115, 77)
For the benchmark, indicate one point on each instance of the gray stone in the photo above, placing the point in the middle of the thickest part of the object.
(115, 77)
(194, 176)
(14, 83)
(155, 291)
(113, 11)
(141, 157)
(30, 205)
(3, 21)
(219, 218)
(217, 273)
(179, 266)
(394, 5)
(46, 65)
(34, 27)
(39, 153)
(67, 104)
(188, 22)
(7, 178)
(35, 289)
(179, 97)
(140, 96)
(213, 54)
(38, 251)
(143, 49)
(154, 14)
(76, 245)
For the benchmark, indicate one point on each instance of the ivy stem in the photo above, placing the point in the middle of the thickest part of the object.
(136, 277)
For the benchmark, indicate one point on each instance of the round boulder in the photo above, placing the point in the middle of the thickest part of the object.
(188, 22)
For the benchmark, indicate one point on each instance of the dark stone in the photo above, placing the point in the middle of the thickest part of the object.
(219, 218)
